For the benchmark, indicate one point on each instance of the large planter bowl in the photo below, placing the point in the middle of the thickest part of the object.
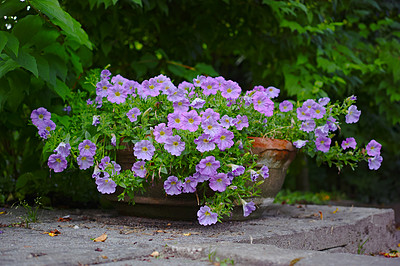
(155, 203)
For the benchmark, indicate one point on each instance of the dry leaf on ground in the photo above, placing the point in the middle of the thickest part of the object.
(101, 238)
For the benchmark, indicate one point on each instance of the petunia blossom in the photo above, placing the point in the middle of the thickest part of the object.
(161, 132)
(57, 162)
(208, 166)
(349, 143)
(144, 150)
(106, 185)
(353, 115)
(87, 148)
(373, 148)
(138, 168)
(173, 186)
(219, 182)
(206, 217)
(375, 162)
(133, 114)
(248, 208)
(85, 162)
(323, 144)
(174, 145)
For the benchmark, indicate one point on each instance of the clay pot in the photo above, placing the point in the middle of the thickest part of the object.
(277, 154)
(274, 153)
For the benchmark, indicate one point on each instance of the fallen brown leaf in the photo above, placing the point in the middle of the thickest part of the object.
(155, 254)
(101, 238)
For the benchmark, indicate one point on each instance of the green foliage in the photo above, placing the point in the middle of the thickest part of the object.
(308, 49)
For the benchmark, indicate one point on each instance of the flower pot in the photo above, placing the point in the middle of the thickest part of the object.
(277, 154)
(155, 203)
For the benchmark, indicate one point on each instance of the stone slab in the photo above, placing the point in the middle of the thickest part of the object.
(289, 232)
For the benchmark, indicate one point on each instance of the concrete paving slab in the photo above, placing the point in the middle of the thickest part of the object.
(289, 232)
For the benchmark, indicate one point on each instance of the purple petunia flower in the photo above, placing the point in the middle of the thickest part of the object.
(96, 120)
(151, 87)
(285, 106)
(113, 140)
(219, 182)
(224, 139)
(87, 148)
(263, 104)
(322, 131)
(264, 171)
(237, 170)
(375, 162)
(189, 186)
(67, 109)
(191, 121)
(331, 122)
(117, 94)
(97, 173)
(198, 103)
(318, 111)
(161, 133)
(175, 120)
(254, 175)
(144, 150)
(105, 163)
(119, 80)
(353, 115)
(181, 106)
(198, 80)
(303, 113)
(248, 208)
(208, 166)
(105, 74)
(130, 87)
(324, 101)
(349, 143)
(211, 127)
(138, 169)
(102, 88)
(133, 114)
(173, 186)
(240, 122)
(300, 143)
(226, 121)
(174, 145)
(89, 102)
(272, 92)
(200, 177)
(230, 90)
(57, 162)
(374, 148)
(209, 86)
(209, 114)
(64, 149)
(308, 125)
(105, 185)
(323, 144)
(309, 104)
(206, 217)
(85, 162)
(204, 143)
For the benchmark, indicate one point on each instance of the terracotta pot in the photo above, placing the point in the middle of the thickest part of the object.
(274, 153)
(277, 154)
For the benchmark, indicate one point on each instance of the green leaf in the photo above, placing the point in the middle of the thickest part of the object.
(205, 69)
(10, 7)
(6, 65)
(18, 81)
(71, 27)
(28, 62)
(62, 89)
(26, 28)
(3, 40)
(138, 2)
(12, 42)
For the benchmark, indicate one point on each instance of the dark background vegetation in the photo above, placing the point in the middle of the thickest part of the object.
(308, 49)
